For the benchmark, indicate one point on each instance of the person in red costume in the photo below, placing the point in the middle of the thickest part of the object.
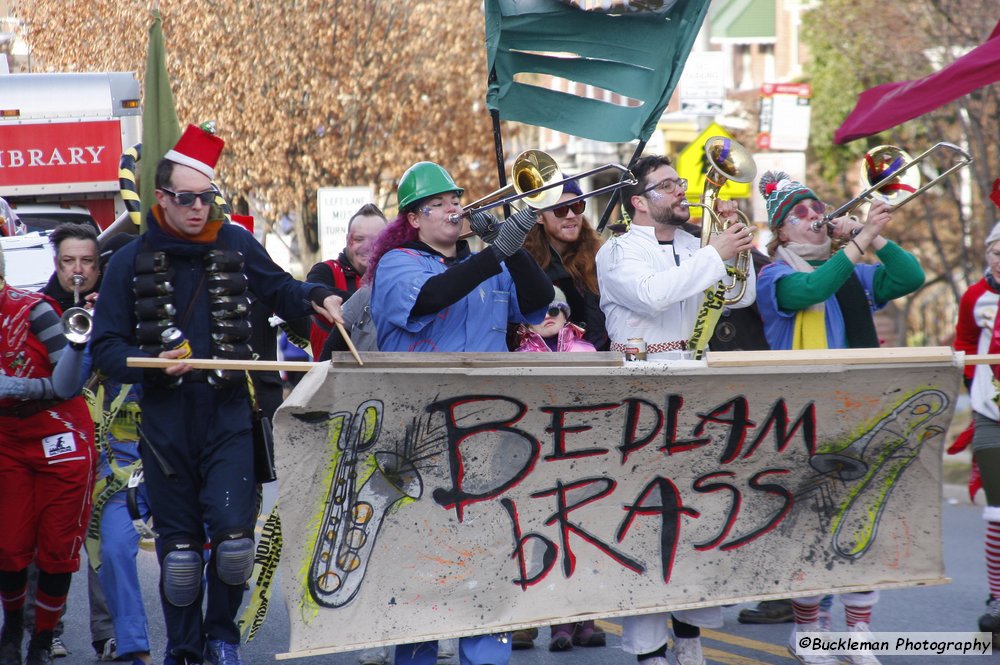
(976, 332)
(46, 467)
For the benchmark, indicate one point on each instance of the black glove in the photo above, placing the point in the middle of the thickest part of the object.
(512, 232)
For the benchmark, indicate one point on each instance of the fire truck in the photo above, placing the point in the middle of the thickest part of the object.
(61, 138)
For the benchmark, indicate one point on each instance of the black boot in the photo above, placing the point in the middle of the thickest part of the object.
(990, 622)
(40, 649)
(11, 638)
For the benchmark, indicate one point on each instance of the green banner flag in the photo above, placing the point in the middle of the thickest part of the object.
(638, 56)
(160, 128)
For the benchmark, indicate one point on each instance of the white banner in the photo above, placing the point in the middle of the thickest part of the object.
(437, 497)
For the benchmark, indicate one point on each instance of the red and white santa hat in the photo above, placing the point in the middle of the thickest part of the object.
(198, 149)
(246, 221)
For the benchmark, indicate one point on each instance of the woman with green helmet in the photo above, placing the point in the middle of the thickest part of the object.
(431, 293)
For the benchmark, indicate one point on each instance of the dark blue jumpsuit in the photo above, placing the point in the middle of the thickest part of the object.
(201, 432)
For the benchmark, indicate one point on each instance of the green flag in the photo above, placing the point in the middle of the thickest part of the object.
(160, 128)
(638, 55)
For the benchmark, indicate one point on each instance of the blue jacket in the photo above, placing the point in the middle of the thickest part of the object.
(779, 325)
(477, 322)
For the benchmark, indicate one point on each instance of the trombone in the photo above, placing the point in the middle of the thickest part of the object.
(886, 172)
(537, 180)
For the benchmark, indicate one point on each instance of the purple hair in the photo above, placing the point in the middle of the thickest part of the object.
(397, 233)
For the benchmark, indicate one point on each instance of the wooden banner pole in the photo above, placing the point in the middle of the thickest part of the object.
(923, 354)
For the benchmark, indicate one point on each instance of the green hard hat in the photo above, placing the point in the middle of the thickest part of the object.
(424, 179)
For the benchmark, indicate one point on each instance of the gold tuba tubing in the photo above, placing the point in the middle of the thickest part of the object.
(727, 160)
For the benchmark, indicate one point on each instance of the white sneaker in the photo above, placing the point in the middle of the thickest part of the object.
(862, 632)
(110, 650)
(687, 651)
(810, 659)
(58, 649)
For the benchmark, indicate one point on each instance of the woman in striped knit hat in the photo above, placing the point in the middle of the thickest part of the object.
(811, 297)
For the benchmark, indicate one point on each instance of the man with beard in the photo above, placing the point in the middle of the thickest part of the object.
(564, 244)
(652, 279)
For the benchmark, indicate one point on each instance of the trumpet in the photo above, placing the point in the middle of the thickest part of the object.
(537, 180)
(77, 283)
(77, 324)
(887, 174)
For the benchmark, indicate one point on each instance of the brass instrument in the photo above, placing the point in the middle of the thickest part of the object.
(77, 283)
(537, 180)
(727, 160)
(77, 325)
(887, 174)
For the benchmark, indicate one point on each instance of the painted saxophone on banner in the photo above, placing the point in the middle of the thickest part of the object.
(353, 515)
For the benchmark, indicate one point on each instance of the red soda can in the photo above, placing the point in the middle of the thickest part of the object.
(635, 349)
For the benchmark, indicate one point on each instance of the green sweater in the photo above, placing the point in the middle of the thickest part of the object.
(898, 274)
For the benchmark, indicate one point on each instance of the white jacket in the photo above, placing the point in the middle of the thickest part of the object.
(654, 291)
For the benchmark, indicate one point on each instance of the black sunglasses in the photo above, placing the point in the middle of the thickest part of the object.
(553, 312)
(187, 199)
(577, 209)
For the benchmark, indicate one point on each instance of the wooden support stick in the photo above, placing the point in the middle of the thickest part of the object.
(217, 363)
(983, 359)
(350, 344)
(899, 354)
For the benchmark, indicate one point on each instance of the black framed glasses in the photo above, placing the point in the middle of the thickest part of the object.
(553, 312)
(577, 209)
(668, 186)
(187, 199)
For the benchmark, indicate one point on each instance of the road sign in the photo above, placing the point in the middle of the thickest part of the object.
(693, 165)
(702, 86)
(784, 116)
(334, 208)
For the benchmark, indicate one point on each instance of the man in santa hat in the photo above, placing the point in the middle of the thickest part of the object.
(192, 272)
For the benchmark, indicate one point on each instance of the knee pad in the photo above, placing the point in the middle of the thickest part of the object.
(233, 556)
(181, 573)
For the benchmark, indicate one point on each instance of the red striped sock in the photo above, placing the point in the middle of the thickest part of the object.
(856, 615)
(805, 613)
(993, 557)
(13, 602)
(47, 611)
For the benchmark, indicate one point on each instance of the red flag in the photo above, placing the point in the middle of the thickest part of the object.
(891, 104)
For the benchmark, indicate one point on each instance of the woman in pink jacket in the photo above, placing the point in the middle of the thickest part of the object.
(555, 332)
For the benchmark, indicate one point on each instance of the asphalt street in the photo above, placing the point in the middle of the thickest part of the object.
(932, 609)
